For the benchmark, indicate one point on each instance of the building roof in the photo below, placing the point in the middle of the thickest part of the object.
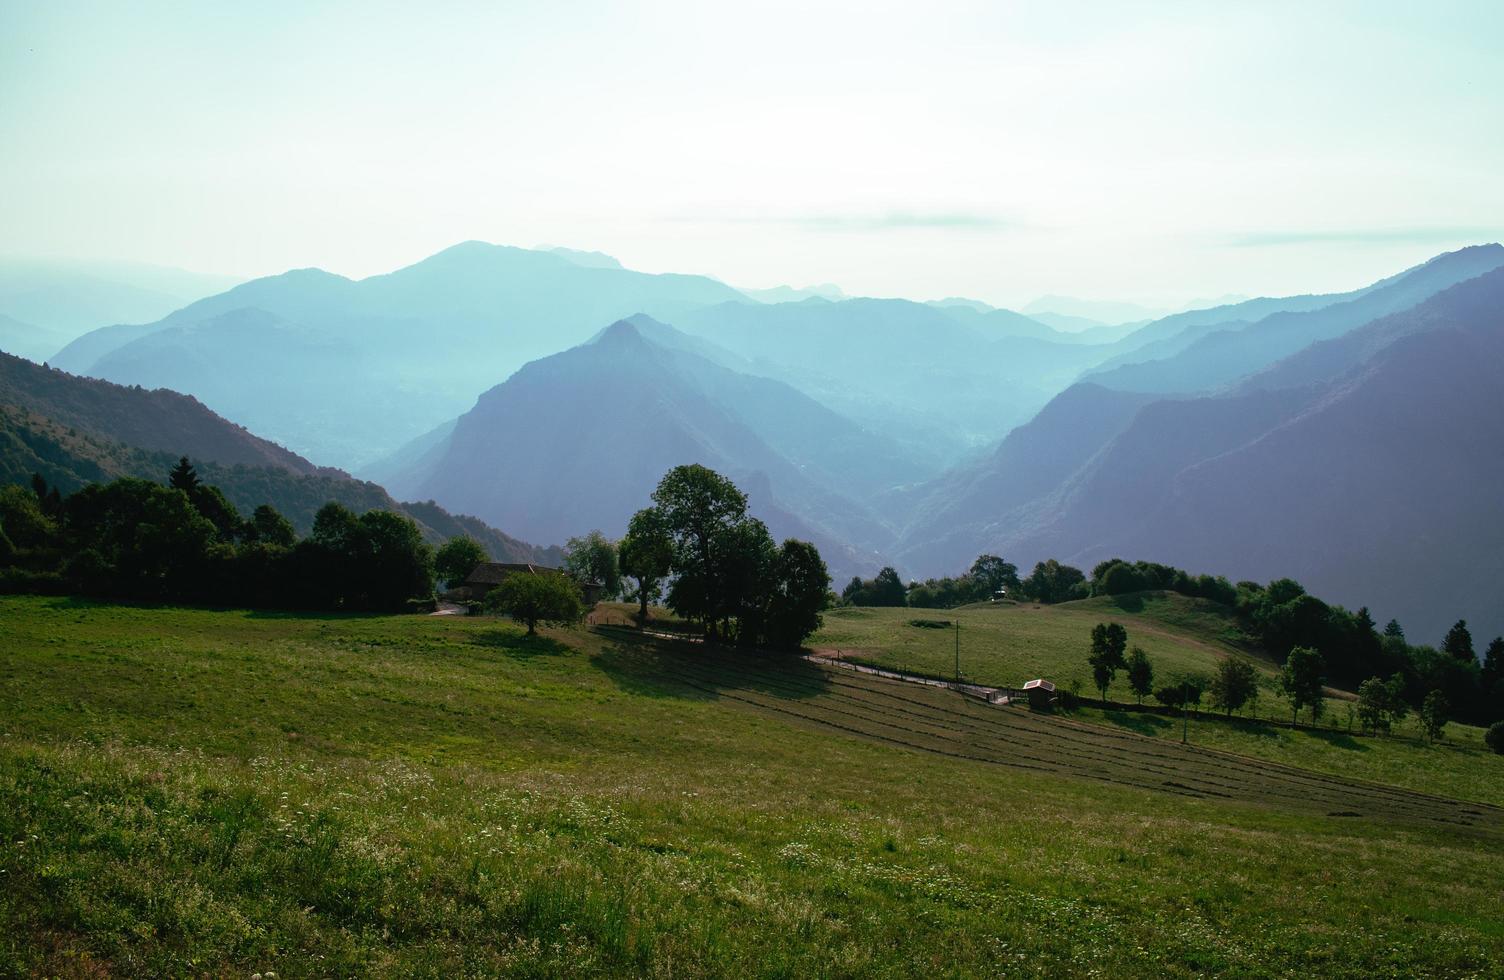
(1040, 683)
(493, 572)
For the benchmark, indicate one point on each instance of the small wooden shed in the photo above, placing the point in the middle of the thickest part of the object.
(1041, 693)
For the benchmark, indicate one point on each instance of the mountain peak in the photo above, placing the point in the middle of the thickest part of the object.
(621, 335)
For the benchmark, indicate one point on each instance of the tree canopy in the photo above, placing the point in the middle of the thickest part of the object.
(547, 597)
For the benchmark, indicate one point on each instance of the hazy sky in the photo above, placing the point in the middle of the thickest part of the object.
(1151, 152)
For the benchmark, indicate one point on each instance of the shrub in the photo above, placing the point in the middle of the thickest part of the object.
(1495, 737)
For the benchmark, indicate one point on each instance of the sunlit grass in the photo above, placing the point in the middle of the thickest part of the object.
(191, 792)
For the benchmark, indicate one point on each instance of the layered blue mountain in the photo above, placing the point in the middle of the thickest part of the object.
(580, 439)
(1368, 466)
(1206, 356)
(943, 381)
(46, 304)
(348, 370)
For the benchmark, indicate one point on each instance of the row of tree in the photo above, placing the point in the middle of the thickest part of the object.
(1235, 684)
(1280, 617)
(184, 541)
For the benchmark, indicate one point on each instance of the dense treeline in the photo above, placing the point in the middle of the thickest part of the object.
(135, 539)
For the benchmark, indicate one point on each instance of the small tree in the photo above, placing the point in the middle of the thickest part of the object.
(1374, 705)
(266, 526)
(1399, 708)
(1435, 712)
(1494, 737)
(534, 599)
(1302, 680)
(1140, 674)
(1108, 643)
(1233, 686)
(457, 558)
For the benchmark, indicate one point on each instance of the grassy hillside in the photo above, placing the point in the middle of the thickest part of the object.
(228, 792)
(1006, 643)
(1460, 766)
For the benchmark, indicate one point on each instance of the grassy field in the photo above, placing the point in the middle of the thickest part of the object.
(1460, 766)
(1006, 644)
(194, 792)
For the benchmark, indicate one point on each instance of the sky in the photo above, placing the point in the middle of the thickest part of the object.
(1140, 152)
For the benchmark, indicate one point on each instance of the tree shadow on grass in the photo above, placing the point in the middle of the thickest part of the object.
(693, 671)
(518, 646)
(1340, 740)
(1139, 721)
(1130, 602)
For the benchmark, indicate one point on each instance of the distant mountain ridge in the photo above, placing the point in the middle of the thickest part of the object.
(579, 440)
(1351, 465)
(298, 356)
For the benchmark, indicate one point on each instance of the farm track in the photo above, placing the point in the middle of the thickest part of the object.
(941, 722)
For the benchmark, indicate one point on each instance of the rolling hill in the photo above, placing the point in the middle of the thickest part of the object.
(74, 431)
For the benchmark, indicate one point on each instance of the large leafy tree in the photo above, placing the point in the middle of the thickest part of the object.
(532, 599)
(457, 558)
(991, 575)
(593, 558)
(700, 510)
(268, 527)
(801, 588)
(1302, 679)
(646, 555)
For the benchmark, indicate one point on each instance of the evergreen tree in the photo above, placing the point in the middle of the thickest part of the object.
(1459, 642)
(183, 477)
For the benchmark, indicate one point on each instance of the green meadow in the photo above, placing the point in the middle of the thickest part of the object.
(1005, 644)
(190, 792)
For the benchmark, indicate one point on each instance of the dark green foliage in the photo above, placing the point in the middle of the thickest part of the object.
(1118, 577)
(1234, 685)
(992, 575)
(1494, 737)
(593, 558)
(133, 538)
(646, 555)
(728, 574)
(1140, 674)
(1052, 582)
(1302, 679)
(1459, 642)
(1185, 693)
(183, 477)
(1435, 712)
(268, 527)
(532, 599)
(456, 559)
(1376, 705)
(1393, 628)
(1109, 641)
(886, 589)
(801, 584)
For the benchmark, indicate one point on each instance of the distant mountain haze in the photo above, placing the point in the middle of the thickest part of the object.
(347, 371)
(580, 439)
(1366, 466)
(1223, 355)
